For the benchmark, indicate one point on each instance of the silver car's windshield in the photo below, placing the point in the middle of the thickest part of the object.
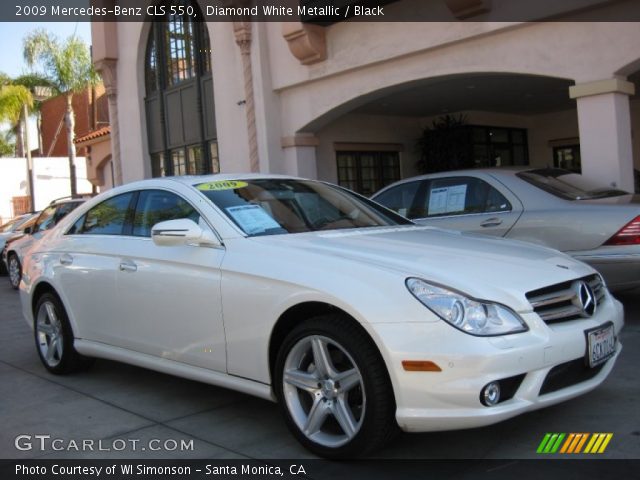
(568, 185)
(277, 206)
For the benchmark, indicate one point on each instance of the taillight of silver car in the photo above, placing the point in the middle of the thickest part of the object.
(627, 235)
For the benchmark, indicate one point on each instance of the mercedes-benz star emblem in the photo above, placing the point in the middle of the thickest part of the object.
(586, 299)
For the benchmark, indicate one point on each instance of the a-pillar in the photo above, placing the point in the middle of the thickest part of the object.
(604, 123)
(300, 155)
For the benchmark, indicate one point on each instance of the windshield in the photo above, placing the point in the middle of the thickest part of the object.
(568, 185)
(277, 206)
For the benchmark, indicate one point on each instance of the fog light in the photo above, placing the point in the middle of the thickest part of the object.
(490, 395)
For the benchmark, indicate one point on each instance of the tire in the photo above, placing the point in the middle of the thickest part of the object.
(15, 270)
(345, 408)
(54, 337)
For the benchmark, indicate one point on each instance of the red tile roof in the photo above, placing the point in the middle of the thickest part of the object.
(101, 132)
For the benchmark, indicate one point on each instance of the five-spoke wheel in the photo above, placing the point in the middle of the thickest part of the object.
(334, 389)
(324, 391)
(49, 334)
(54, 337)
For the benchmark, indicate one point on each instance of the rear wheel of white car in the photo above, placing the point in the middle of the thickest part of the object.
(15, 270)
(54, 337)
(334, 389)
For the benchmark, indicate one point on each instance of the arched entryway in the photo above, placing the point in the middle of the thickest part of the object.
(481, 119)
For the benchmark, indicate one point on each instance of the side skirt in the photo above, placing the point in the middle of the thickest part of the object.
(171, 367)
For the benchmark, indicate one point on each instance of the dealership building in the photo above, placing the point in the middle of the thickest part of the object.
(347, 101)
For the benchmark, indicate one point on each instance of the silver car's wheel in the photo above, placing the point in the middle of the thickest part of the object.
(49, 334)
(15, 273)
(333, 387)
(54, 337)
(323, 391)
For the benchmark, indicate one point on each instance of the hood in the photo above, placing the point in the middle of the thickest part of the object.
(486, 268)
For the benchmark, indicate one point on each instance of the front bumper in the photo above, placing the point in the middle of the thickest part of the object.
(450, 399)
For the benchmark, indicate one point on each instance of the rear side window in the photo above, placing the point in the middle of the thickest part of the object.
(462, 196)
(156, 206)
(106, 218)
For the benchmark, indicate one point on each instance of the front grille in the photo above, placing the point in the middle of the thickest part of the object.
(567, 374)
(561, 302)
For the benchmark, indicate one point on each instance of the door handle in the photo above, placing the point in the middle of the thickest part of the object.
(128, 266)
(66, 259)
(491, 222)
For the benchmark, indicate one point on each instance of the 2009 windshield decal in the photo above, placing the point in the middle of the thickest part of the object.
(221, 185)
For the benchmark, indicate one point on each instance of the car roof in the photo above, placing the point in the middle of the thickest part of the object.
(490, 170)
(496, 171)
(196, 179)
(191, 180)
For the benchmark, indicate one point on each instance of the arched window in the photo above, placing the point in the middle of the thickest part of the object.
(179, 100)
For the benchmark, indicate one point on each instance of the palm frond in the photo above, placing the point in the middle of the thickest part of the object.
(12, 101)
(65, 64)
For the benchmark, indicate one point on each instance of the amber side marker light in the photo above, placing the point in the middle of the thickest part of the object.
(420, 366)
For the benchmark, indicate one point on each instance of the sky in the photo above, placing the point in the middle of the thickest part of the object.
(11, 61)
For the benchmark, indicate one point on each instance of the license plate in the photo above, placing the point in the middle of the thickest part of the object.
(601, 344)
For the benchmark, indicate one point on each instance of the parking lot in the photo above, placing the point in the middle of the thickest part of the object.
(152, 415)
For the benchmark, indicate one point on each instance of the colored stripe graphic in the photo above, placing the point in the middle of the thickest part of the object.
(598, 443)
(574, 443)
(543, 443)
(550, 443)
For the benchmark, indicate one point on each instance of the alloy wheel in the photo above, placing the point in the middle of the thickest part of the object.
(49, 334)
(324, 391)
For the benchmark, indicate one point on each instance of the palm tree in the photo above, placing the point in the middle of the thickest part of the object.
(13, 98)
(68, 67)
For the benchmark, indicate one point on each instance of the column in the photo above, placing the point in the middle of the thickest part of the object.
(242, 32)
(604, 123)
(108, 70)
(300, 155)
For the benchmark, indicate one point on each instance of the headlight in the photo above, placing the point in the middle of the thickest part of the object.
(464, 313)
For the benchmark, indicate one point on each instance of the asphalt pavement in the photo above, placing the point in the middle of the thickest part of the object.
(122, 412)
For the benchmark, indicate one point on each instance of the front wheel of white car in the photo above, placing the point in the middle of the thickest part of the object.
(334, 389)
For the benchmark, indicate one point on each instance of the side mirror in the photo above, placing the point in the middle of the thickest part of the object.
(181, 231)
(27, 230)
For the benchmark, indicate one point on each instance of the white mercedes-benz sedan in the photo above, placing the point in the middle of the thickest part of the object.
(351, 317)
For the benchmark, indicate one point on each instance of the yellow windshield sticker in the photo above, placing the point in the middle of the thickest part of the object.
(221, 185)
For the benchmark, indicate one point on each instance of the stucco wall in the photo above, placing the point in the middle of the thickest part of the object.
(581, 52)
